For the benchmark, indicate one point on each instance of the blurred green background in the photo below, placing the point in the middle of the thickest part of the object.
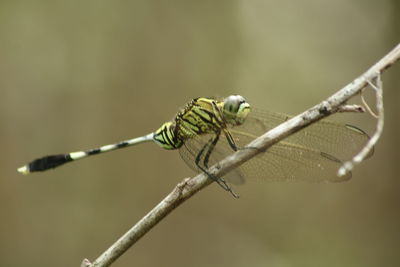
(78, 74)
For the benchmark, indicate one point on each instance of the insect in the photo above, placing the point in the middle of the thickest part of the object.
(206, 130)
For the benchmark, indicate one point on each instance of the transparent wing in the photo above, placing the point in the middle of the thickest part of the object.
(287, 161)
(339, 140)
(313, 154)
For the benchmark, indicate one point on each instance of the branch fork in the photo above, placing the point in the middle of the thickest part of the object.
(376, 84)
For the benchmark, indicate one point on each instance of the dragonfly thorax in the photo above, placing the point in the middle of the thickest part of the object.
(202, 116)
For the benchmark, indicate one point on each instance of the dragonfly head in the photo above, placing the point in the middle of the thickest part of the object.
(235, 109)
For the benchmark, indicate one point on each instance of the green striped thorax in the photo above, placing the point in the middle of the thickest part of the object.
(202, 116)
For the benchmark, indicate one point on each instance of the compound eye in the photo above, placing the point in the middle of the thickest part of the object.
(232, 103)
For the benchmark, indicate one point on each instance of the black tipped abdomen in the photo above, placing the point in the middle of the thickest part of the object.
(48, 162)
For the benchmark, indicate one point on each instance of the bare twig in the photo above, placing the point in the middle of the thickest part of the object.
(189, 187)
(367, 106)
(368, 148)
(351, 108)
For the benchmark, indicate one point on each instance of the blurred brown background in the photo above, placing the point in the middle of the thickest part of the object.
(78, 74)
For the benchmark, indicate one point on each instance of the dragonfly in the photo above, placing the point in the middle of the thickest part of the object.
(206, 130)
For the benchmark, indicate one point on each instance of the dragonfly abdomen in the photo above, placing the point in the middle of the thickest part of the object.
(166, 138)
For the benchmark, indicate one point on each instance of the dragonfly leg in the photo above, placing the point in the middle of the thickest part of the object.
(210, 149)
(232, 143)
(207, 149)
(230, 140)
